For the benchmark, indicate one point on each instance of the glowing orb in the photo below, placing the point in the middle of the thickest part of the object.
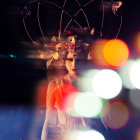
(115, 53)
(85, 81)
(125, 74)
(135, 74)
(59, 96)
(97, 53)
(90, 135)
(88, 105)
(136, 43)
(72, 135)
(115, 114)
(107, 84)
(137, 136)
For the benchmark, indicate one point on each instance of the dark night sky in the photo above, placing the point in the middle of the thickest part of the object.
(12, 31)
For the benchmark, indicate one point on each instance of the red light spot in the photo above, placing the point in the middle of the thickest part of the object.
(59, 97)
(68, 32)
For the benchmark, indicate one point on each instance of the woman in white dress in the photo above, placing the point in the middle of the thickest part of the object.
(58, 121)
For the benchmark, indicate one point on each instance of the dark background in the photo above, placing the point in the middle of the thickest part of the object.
(20, 75)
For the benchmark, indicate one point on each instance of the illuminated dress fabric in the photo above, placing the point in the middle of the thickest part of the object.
(61, 122)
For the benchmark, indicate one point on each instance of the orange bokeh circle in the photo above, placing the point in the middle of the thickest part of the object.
(115, 53)
(97, 53)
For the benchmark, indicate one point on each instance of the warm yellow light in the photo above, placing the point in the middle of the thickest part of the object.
(97, 53)
(115, 53)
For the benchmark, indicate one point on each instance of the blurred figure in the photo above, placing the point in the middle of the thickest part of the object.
(61, 74)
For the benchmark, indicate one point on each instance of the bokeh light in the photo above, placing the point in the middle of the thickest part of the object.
(88, 134)
(87, 105)
(69, 104)
(125, 74)
(72, 135)
(115, 114)
(107, 84)
(115, 53)
(136, 43)
(58, 97)
(134, 97)
(67, 97)
(97, 53)
(84, 82)
(135, 74)
(137, 136)
(11, 55)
